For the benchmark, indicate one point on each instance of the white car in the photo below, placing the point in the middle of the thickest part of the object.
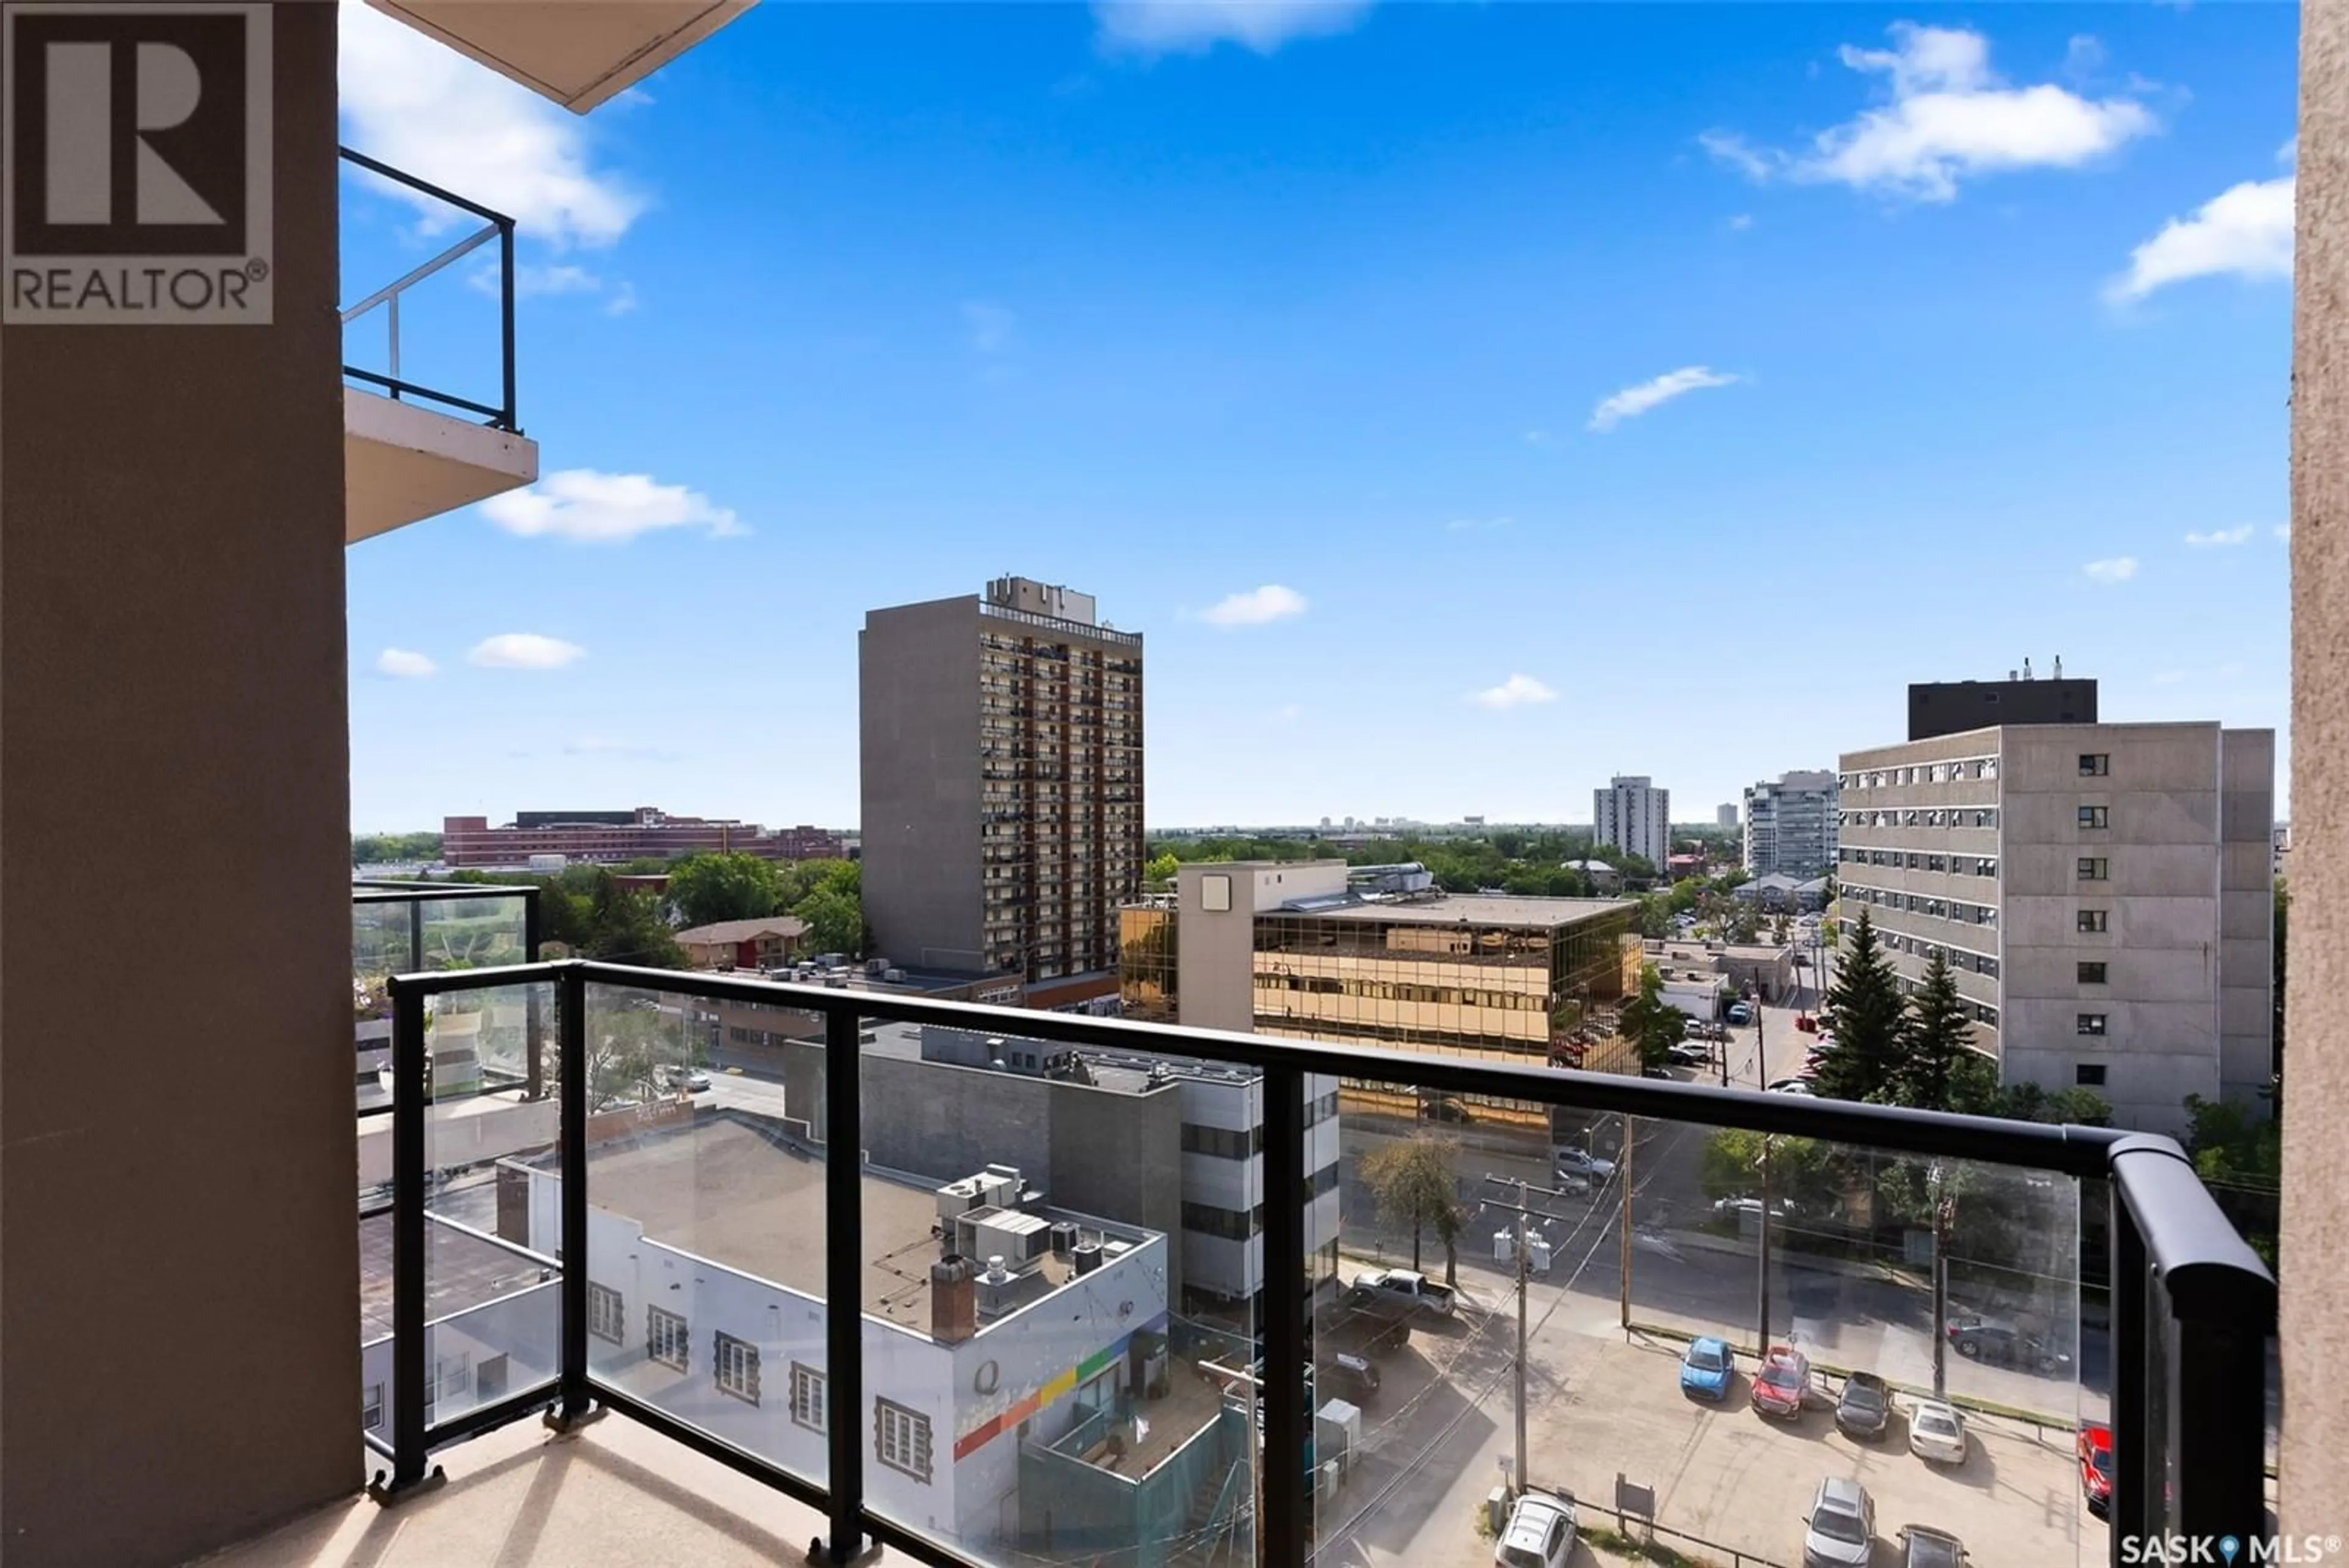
(1794, 1086)
(1937, 1433)
(1541, 1532)
(1582, 1163)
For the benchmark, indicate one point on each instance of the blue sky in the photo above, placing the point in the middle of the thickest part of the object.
(1468, 402)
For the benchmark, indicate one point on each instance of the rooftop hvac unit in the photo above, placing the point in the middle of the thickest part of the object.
(957, 1199)
(998, 1290)
(1019, 1238)
(877, 966)
(1064, 1239)
(1086, 1256)
(894, 976)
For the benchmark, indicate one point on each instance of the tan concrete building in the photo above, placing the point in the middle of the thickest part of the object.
(2102, 892)
(1002, 781)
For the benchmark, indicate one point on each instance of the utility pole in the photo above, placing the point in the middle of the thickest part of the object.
(1623, 1269)
(1940, 1287)
(1761, 1052)
(1761, 1344)
(1523, 1209)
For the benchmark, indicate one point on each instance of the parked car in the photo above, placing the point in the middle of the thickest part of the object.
(696, 1081)
(2003, 1343)
(1443, 1108)
(2094, 1448)
(1348, 1377)
(1922, 1546)
(1581, 1162)
(1866, 1408)
(1689, 1055)
(1793, 1086)
(1707, 1369)
(1539, 1534)
(1778, 1387)
(1655, 1072)
(1734, 1208)
(1839, 1530)
(1937, 1433)
(1741, 1012)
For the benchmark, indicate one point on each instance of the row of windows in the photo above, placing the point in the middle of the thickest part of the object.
(1223, 1143)
(1959, 958)
(1922, 816)
(1919, 904)
(1950, 772)
(1230, 1224)
(901, 1435)
(743, 1035)
(1954, 865)
(1402, 990)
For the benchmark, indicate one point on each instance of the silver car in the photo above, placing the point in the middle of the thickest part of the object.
(1840, 1530)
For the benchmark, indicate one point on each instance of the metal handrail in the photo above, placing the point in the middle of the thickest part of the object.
(497, 225)
(2192, 1305)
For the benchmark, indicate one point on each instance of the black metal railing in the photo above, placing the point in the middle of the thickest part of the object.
(2193, 1308)
(497, 226)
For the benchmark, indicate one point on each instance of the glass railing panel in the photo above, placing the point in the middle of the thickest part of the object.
(1064, 1254)
(706, 1239)
(1723, 1333)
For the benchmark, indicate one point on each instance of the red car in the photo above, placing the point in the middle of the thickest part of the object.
(1778, 1387)
(2096, 1451)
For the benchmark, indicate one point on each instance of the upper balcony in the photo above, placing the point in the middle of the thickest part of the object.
(1028, 1376)
(413, 450)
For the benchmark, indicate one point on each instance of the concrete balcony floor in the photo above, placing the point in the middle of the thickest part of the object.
(614, 1494)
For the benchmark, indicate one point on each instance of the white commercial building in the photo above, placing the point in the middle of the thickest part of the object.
(2104, 893)
(1790, 826)
(990, 1320)
(1635, 816)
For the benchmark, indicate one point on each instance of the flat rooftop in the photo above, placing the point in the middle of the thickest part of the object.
(1471, 909)
(461, 1272)
(724, 1188)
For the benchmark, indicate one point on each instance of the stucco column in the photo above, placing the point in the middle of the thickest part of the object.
(179, 1357)
(2315, 1239)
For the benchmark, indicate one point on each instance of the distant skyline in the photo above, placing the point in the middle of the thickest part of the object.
(1469, 404)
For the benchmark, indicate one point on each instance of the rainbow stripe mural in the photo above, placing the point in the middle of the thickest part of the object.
(1003, 1420)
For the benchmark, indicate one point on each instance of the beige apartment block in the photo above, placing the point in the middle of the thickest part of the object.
(2103, 894)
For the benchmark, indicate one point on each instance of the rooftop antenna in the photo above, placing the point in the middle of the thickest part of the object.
(2026, 667)
(2059, 667)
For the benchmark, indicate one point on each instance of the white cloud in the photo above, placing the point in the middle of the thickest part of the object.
(1194, 26)
(2243, 231)
(623, 300)
(1951, 118)
(1255, 608)
(403, 664)
(2219, 536)
(524, 650)
(1517, 692)
(1475, 524)
(1634, 401)
(1288, 712)
(426, 110)
(586, 506)
(2171, 678)
(2111, 569)
(1537, 438)
(1741, 221)
(989, 327)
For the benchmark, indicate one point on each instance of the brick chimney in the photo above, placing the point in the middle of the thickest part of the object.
(954, 1305)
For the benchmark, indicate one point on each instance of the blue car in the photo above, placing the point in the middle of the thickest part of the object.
(1706, 1369)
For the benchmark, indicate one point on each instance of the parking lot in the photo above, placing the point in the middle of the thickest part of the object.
(1600, 1406)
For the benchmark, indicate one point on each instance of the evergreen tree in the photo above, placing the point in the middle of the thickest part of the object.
(1864, 1010)
(1938, 1039)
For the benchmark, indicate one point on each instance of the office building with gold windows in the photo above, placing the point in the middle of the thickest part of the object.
(1375, 956)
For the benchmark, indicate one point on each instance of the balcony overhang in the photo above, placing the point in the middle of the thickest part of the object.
(403, 463)
(576, 52)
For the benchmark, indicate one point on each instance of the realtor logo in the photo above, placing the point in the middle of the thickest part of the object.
(135, 164)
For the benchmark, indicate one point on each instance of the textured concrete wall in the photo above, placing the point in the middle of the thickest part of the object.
(919, 721)
(178, 1348)
(2315, 1463)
